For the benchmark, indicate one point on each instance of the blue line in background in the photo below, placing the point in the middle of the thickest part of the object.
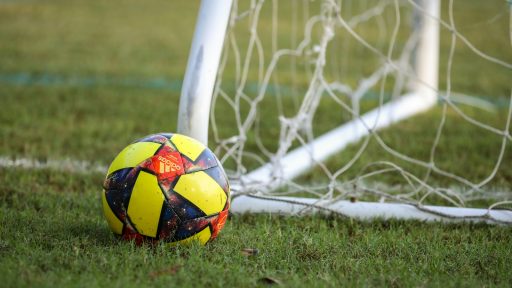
(158, 83)
(46, 79)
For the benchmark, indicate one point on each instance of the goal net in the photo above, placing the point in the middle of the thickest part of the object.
(364, 108)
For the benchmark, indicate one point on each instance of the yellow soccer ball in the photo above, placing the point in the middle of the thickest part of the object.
(166, 187)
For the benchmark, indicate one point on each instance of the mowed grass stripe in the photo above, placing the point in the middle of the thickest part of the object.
(66, 165)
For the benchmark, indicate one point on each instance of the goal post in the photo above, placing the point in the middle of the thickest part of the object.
(202, 66)
(265, 187)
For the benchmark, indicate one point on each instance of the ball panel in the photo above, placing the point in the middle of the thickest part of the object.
(165, 164)
(203, 191)
(166, 134)
(183, 208)
(203, 236)
(220, 177)
(117, 179)
(118, 188)
(130, 234)
(189, 230)
(133, 154)
(169, 223)
(205, 160)
(218, 222)
(113, 222)
(156, 138)
(187, 146)
(145, 204)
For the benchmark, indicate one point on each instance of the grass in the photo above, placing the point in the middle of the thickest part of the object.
(82, 79)
(54, 235)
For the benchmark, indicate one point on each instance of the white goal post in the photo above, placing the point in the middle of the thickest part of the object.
(252, 190)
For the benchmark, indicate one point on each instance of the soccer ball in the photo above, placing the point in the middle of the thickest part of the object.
(166, 187)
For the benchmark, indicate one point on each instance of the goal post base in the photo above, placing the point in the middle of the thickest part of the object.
(367, 210)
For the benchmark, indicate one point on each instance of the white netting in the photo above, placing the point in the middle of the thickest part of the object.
(292, 71)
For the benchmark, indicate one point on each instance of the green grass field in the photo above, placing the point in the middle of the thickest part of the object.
(53, 235)
(82, 79)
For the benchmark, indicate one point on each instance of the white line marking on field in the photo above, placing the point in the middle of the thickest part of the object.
(66, 165)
